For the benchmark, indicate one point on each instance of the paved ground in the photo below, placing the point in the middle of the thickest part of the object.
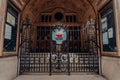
(60, 77)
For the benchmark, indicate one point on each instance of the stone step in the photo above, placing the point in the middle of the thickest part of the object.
(60, 77)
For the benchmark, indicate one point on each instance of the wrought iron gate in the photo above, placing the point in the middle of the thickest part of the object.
(65, 58)
(59, 50)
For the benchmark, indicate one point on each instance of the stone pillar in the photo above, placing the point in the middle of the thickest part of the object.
(2, 21)
(111, 65)
(117, 20)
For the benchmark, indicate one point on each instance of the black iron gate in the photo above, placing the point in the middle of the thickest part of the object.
(51, 58)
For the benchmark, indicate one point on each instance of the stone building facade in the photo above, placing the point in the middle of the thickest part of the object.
(109, 61)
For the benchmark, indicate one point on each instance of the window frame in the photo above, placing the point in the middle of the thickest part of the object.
(15, 8)
(102, 9)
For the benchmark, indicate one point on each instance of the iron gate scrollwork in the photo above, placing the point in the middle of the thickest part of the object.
(59, 50)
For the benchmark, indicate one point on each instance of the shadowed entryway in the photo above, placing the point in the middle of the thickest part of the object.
(59, 39)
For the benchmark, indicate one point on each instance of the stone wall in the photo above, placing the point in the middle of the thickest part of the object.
(111, 65)
(8, 68)
(111, 68)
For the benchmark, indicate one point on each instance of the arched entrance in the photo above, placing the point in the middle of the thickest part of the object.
(39, 52)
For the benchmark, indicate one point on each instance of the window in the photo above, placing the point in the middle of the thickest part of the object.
(108, 29)
(71, 18)
(58, 16)
(10, 32)
(46, 18)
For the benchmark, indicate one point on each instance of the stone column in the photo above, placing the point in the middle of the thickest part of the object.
(117, 20)
(2, 22)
